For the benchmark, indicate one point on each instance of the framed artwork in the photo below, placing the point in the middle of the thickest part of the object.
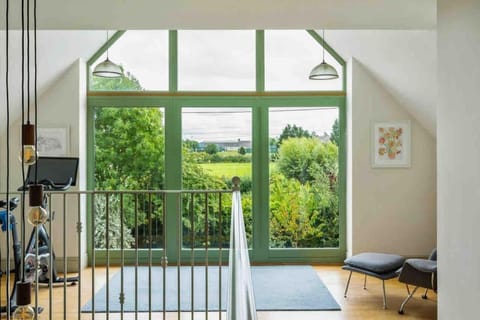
(52, 141)
(391, 144)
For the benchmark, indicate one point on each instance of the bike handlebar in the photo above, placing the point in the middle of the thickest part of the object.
(13, 203)
(50, 185)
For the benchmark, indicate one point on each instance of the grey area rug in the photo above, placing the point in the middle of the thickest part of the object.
(275, 288)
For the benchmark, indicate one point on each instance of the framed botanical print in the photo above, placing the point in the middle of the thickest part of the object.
(391, 144)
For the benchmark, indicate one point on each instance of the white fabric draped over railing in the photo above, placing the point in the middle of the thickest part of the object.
(241, 302)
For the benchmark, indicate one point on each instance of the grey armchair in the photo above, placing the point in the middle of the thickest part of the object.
(419, 273)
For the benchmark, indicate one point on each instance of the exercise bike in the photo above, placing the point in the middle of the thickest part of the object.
(45, 272)
(55, 174)
(7, 220)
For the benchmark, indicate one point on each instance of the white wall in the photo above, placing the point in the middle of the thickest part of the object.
(458, 133)
(63, 105)
(391, 209)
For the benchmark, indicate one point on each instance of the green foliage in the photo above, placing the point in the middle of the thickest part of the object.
(293, 132)
(308, 159)
(129, 149)
(211, 148)
(302, 215)
(242, 151)
(304, 195)
(114, 225)
(191, 145)
(335, 136)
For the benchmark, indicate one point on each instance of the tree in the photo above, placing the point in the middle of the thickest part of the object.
(304, 196)
(242, 151)
(293, 132)
(129, 155)
(192, 145)
(335, 136)
(308, 159)
(211, 148)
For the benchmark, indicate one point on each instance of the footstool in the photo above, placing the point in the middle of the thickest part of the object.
(379, 265)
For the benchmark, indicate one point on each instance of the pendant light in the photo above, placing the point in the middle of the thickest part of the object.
(323, 71)
(107, 68)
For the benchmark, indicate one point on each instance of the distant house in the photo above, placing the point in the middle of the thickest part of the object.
(227, 145)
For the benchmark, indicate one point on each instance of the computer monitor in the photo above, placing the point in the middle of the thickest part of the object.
(57, 169)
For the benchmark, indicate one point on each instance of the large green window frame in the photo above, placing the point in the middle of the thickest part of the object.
(259, 101)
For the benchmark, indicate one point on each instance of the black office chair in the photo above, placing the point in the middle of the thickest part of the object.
(420, 273)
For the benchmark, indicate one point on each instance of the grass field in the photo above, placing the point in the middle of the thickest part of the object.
(229, 169)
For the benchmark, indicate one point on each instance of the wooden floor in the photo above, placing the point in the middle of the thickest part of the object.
(360, 304)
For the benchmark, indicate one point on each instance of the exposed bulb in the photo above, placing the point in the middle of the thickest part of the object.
(37, 215)
(29, 155)
(24, 313)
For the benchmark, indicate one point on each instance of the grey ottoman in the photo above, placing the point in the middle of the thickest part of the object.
(379, 265)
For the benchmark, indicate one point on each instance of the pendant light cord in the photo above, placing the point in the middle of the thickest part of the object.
(323, 45)
(7, 105)
(35, 84)
(107, 44)
(22, 226)
(28, 61)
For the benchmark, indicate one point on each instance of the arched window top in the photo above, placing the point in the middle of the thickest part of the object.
(217, 60)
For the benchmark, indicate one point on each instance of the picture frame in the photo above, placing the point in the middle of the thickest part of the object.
(391, 144)
(53, 141)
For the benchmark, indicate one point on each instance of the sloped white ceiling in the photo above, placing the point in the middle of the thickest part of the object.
(404, 61)
(56, 51)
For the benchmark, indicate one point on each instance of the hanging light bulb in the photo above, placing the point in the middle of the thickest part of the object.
(23, 311)
(37, 214)
(323, 71)
(29, 154)
(107, 68)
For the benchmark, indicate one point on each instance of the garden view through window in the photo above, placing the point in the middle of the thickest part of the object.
(304, 177)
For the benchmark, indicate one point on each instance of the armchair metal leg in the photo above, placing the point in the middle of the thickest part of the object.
(348, 283)
(384, 296)
(406, 300)
(425, 294)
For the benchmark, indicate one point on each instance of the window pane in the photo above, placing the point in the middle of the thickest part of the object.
(144, 58)
(290, 55)
(217, 145)
(129, 155)
(216, 60)
(303, 177)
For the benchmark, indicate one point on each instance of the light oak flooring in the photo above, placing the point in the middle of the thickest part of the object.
(360, 304)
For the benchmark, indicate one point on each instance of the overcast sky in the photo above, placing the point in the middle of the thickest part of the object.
(219, 60)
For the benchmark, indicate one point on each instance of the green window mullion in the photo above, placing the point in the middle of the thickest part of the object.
(260, 192)
(342, 174)
(173, 175)
(260, 60)
(173, 61)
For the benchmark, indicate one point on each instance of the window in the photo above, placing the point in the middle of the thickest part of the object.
(129, 155)
(290, 55)
(216, 125)
(304, 177)
(217, 145)
(143, 55)
(216, 60)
